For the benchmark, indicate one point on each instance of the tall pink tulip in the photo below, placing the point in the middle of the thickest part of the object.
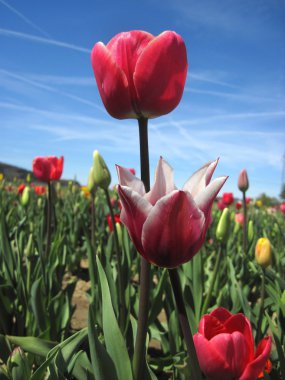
(167, 225)
(139, 75)
(225, 347)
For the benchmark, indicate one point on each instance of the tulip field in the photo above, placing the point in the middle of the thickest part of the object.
(181, 284)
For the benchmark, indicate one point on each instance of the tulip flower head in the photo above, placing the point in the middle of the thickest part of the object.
(282, 208)
(238, 205)
(137, 74)
(225, 347)
(48, 169)
(21, 188)
(243, 183)
(239, 218)
(109, 221)
(167, 225)
(263, 252)
(40, 190)
(228, 199)
(221, 205)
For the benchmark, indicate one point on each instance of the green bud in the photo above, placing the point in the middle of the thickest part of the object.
(102, 176)
(29, 177)
(28, 249)
(223, 228)
(250, 232)
(237, 227)
(91, 180)
(18, 365)
(70, 183)
(119, 233)
(40, 202)
(25, 197)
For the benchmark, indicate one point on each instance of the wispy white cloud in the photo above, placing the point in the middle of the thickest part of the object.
(24, 18)
(62, 80)
(42, 40)
(50, 89)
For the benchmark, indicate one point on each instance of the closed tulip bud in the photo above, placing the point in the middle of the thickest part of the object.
(223, 228)
(29, 177)
(119, 233)
(263, 252)
(28, 249)
(70, 184)
(102, 176)
(18, 365)
(40, 202)
(91, 181)
(250, 232)
(25, 197)
(243, 183)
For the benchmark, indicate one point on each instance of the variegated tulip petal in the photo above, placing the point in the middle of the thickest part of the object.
(126, 178)
(201, 178)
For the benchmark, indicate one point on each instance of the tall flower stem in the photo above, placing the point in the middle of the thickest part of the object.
(244, 222)
(49, 207)
(213, 280)
(122, 309)
(185, 327)
(262, 295)
(145, 276)
(92, 252)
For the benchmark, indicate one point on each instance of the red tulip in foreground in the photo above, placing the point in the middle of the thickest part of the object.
(225, 347)
(167, 225)
(48, 168)
(139, 75)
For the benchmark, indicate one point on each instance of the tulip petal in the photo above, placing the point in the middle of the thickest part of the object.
(239, 322)
(56, 167)
(206, 197)
(159, 81)
(234, 349)
(212, 364)
(125, 48)
(42, 168)
(254, 368)
(173, 226)
(221, 314)
(210, 326)
(201, 178)
(134, 213)
(112, 83)
(163, 182)
(126, 178)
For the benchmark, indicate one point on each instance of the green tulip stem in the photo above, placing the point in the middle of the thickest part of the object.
(244, 222)
(213, 280)
(184, 323)
(145, 274)
(92, 252)
(261, 310)
(49, 207)
(122, 311)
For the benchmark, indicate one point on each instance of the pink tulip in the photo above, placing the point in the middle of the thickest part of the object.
(139, 75)
(282, 208)
(239, 218)
(225, 347)
(167, 225)
(243, 183)
(48, 168)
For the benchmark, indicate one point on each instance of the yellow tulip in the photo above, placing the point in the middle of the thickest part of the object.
(263, 252)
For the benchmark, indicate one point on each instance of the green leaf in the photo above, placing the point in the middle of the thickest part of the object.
(114, 340)
(32, 345)
(103, 366)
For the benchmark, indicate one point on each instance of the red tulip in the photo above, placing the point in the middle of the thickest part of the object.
(48, 168)
(243, 183)
(228, 199)
(238, 205)
(168, 226)
(225, 347)
(221, 205)
(21, 188)
(109, 220)
(40, 190)
(139, 75)
(247, 200)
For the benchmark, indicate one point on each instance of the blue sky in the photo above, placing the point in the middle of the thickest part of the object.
(233, 106)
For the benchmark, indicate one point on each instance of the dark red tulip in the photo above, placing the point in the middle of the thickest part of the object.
(228, 198)
(48, 168)
(139, 75)
(238, 205)
(225, 347)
